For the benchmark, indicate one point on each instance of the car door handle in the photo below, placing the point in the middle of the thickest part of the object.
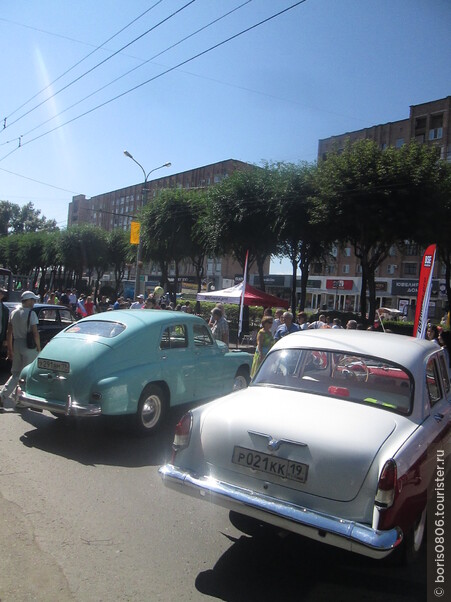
(164, 357)
(438, 417)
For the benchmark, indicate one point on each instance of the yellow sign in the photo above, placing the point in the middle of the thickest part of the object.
(134, 233)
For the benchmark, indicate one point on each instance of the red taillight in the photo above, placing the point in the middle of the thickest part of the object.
(386, 488)
(182, 433)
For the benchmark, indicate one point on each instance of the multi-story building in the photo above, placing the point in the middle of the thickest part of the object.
(337, 283)
(428, 123)
(117, 209)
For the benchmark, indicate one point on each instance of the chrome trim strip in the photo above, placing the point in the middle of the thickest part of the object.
(330, 529)
(71, 408)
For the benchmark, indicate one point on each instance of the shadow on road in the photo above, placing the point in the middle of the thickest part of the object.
(95, 441)
(298, 569)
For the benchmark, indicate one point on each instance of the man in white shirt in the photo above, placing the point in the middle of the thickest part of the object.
(21, 320)
(138, 303)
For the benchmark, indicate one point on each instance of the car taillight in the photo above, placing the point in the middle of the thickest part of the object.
(386, 488)
(182, 434)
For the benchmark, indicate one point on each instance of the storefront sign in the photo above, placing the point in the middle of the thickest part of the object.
(410, 287)
(342, 285)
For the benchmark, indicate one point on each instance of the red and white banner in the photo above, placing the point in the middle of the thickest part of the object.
(424, 292)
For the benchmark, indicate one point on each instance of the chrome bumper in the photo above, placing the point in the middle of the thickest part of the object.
(70, 408)
(332, 530)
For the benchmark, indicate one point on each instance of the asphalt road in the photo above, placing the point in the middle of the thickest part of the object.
(84, 516)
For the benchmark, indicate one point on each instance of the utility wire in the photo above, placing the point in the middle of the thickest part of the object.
(37, 181)
(81, 61)
(96, 66)
(134, 69)
(242, 32)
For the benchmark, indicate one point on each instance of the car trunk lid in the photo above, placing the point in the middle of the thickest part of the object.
(319, 445)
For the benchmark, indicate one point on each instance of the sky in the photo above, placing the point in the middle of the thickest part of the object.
(321, 68)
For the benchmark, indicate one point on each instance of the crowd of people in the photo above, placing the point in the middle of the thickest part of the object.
(273, 327)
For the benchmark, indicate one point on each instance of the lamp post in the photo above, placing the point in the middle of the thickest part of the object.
(139, 251)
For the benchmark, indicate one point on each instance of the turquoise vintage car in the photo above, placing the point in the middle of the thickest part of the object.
(131, 362)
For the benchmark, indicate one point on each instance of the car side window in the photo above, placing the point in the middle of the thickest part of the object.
(202, 336)
(433, 382)
(444, 374)
(48, 316)
(66, 317)
(174, 337)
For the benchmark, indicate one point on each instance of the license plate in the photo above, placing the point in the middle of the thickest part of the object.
(279, 467)
(53, 365)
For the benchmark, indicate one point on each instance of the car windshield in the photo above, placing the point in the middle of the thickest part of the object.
(338, 374)
(98, 328)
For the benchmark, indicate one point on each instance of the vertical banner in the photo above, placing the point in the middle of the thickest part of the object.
(134, 233)
(424, 292)
(243, 292)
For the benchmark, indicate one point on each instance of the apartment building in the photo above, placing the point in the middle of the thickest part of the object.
(428, 123)
(337, 283)
(117, 209)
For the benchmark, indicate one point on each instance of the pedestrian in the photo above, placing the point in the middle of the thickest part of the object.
(319, 323)
(302, 320)
(4, 317)
(432, 333)
(90, 306)
(336, 323)
(220, 327)
(21, 321)
(277, 321)
(103, 304)
(150, 303)
(287, 327)
(351, 325)
(265, 341)
(138, 303)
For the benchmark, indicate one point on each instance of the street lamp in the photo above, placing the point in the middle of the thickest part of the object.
(139, 251)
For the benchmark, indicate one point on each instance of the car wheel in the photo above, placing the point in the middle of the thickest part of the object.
(151, 410)
(410, 548)
(415, 538)
(241, 380)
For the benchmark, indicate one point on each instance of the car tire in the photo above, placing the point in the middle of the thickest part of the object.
(242, 379)
(410, 548)
(152, 410)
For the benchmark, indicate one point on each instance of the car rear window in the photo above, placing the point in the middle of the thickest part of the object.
(98, 328)
(356, 378)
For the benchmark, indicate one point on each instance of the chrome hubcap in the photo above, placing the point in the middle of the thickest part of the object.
(239, 383)
(151, 411)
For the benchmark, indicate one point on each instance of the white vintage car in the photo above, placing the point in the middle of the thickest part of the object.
(337, 439)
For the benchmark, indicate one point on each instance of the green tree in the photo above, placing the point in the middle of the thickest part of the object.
(166, 225)
(120, 253)
(301, 239)
(15, 219)
(373, 199)
(241, 218)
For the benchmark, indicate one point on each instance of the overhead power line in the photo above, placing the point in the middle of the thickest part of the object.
(82, 60)
(134, 69)
(5, 126)
(169, 70)
(37, 181)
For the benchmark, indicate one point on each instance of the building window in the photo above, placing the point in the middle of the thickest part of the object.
(410, 269)
(317, 268)
(346, 268)
(399, 142)
(347, 252)
(330, 269)
(411, 249)
(383, 145)
(391, 268)
(392, 251)
(436, 134)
